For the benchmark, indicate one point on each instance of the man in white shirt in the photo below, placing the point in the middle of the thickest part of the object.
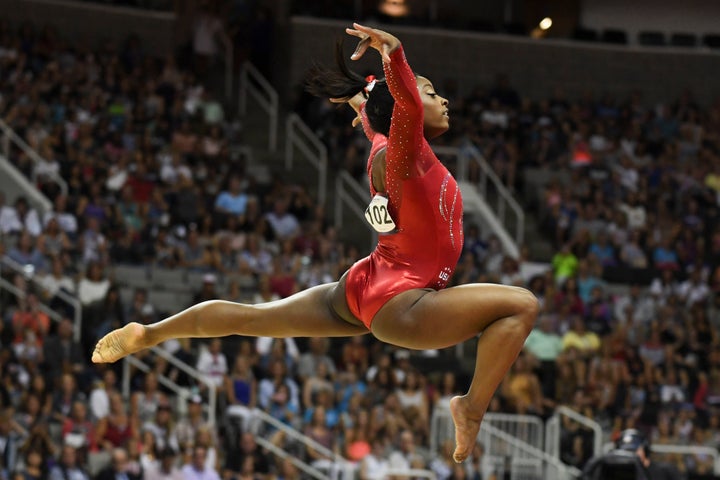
(9, 222)
(100, 396)
(67, 220)
(213, 363)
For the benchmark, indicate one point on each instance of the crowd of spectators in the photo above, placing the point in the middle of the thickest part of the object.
(153, 178)
(625, 194)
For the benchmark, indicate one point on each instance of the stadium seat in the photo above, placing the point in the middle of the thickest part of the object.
(585, 34)
(174, 279)
(515, 29)
(136, 276)
(680, 39)
(711, 40)
(652, 39)
(618, 37)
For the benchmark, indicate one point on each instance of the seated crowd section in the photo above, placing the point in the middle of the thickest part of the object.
(624, 192)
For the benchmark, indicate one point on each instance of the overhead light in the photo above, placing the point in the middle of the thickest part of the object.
(545, 23)
(394, 8)
(542, 28)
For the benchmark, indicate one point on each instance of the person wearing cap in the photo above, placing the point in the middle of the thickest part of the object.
(630, 459)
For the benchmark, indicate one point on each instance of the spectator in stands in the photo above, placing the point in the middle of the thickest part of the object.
(283, 224)
(99, 401)
(375, 464)
(120, 467)
(187, 428)
(9, 223)
(65, 218)
(145, 403)
(61, 353)
(578, 337)
(162, 426)
(269, 386)
(209, 39)
(407, 455)
(212, 362)
(196, 468)
(68, 468)
(26, 253)
(10, 441)
(166, 468)
(317, 354)
(29, 317)
(208, 291)
(234, 200)
(78, 430)
(117, 428)
(564, 264)
(27, 218)
(53, 241)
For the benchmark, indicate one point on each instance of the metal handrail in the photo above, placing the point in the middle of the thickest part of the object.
(300, 136)
(192, 372)
(531, 451)
(308, 469)
(680, 450)
(349, 193)
(177, 389)
(506, 199)
(11, 136)
(21, 294)
(442, 428)
(343, 467)
(253, 83)
(71, 300)
(582, 420)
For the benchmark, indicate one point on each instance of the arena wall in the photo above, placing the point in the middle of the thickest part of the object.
(95, 23)
(535, 67)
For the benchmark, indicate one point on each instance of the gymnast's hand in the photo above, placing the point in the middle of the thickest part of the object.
(381, 41)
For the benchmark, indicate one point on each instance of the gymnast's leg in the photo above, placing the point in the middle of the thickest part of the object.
(320, 311)
(423, 319)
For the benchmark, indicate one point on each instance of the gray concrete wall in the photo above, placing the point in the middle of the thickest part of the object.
(535, 67)
(94, 23)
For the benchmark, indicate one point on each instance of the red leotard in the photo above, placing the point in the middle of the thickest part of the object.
(423, 199)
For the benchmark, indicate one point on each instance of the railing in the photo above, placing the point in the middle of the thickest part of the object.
(527, 428)
(254, 84)
(488, 178)
(525, 460)
(338, 467)
(300, 136)
(72, 301)
(350, 194)
(680, 450)
(555, 425)
(182, 392)
(10, 137)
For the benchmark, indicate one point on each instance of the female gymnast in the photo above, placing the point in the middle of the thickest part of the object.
(396, 293)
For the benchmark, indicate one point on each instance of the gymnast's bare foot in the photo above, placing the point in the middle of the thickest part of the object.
(120, 343)
(467, 427)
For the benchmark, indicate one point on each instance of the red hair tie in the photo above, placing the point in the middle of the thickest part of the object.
(370, 79)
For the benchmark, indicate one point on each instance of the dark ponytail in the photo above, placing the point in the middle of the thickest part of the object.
(344, 83)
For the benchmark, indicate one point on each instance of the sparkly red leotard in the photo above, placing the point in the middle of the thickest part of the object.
(423, 199)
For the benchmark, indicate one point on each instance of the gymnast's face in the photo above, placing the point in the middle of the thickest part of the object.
(436, 113)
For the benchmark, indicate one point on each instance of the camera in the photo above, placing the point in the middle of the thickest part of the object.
(626, 462)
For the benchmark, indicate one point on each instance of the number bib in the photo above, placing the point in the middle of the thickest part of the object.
(378, 216)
